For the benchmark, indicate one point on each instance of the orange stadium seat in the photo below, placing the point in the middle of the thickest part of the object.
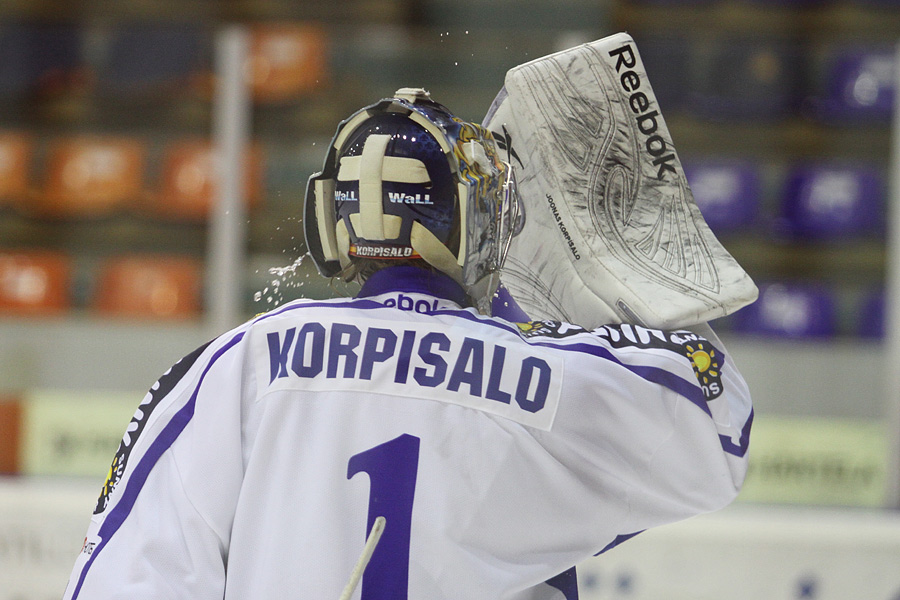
(187, 181)
(287, 61)
(153, 287)
(10, 434)
(34, 282)
(16, 150)
(91, 176)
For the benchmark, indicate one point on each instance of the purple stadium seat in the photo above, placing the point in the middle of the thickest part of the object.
(858, 85)
(727, 192)
(871, 316)
(832, 201)
(747, 79)
(790, 310)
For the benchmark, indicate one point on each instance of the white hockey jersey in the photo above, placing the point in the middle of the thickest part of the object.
(500, 454)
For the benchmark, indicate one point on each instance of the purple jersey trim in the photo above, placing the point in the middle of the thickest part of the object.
(138, 478)
(619, 540)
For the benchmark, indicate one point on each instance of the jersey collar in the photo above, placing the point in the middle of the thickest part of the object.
(413, 280)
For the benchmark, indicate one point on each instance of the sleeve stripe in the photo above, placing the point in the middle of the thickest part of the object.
(136, 481)
(739, 449)
(619, 539)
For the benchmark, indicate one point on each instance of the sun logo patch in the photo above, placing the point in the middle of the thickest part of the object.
(705, 362)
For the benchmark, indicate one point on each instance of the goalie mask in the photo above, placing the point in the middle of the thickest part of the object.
(405, 179)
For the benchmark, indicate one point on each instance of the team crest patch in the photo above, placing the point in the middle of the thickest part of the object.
(552, 329)
(159, 391)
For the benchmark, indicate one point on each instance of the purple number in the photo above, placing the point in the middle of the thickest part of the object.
(392, 468)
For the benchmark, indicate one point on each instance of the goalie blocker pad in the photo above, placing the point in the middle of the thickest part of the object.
(610, 231)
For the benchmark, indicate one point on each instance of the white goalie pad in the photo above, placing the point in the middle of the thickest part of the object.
(611, 232)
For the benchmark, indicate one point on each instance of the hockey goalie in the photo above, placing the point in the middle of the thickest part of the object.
(427, 438)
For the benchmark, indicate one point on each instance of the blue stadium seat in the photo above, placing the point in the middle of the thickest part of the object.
(790, 310)
(728, 192)
(38, 59)
(154, 59)
(747, 79)
(858, 85)
(825, 201)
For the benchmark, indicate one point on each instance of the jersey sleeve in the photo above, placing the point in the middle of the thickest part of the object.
(665, 420)
(161, 525)
(652, 427)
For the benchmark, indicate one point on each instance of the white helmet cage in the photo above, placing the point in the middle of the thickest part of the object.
(383, 223)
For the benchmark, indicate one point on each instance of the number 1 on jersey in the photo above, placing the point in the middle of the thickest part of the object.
(392, 468)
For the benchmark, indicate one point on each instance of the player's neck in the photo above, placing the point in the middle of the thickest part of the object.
(413, 280)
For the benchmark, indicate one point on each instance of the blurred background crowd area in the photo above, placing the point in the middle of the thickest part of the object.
(780, 110)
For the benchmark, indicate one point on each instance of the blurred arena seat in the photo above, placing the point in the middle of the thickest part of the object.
(790, 310)
(287, 61)
(531, 16)
(746, 78)
(728, 192)
(151, 287)
(858, 84)
(666, 59)
(16, 153)
(187, 180)
(89, 176)
(150, 60)
(10, 433)
(826, 201)
(787, 4)
(672, 3)
(39, 59)
(870, 322)
(34, 283)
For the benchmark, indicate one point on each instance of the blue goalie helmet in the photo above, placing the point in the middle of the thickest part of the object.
(405, 179)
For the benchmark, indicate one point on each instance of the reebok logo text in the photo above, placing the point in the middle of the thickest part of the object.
(647, 120)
